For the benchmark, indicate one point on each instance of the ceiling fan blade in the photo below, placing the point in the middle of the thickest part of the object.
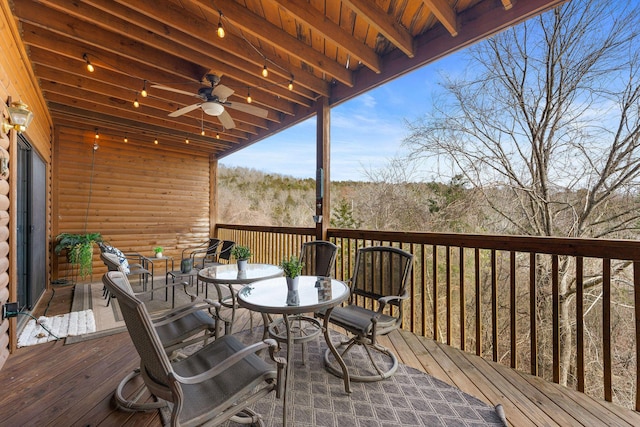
(184, 110)
(246, 108)
(226, 120)
(170, 89)
(222, 92)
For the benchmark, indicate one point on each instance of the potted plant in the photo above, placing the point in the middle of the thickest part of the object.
(242, 255)
(79, 249)
(158, 251)
(292, 267)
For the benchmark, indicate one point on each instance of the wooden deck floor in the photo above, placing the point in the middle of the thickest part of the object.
(66, 385)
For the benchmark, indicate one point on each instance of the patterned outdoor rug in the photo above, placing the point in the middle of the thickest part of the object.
(408, 398)
(108, 318)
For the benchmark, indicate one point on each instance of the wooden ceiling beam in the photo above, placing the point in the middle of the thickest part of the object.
(186, 46)
(138, 137)
(105, 121)
(331, 31)
(444, 13)
(62, 64)
(476, 23)
(135, 44)
(66, 26)
(280, 40)
(133, 123)
(92, 90)
(114, 107)
(385, 24)
(204, 32)
(39, 38)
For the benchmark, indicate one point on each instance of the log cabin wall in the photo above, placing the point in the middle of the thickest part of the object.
(135, 194)
(18, 83)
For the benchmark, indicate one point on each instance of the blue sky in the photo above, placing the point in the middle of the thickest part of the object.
(365, 132)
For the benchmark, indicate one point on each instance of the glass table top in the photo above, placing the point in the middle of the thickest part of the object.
(272, 295)
(228, 273)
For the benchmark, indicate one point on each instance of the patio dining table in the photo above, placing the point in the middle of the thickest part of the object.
(228, 275)
(271, 296)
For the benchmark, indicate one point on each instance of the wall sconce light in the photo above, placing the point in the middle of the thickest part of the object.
(19, 117)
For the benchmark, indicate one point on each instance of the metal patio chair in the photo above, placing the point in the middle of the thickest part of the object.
(215, 384)
(318, 258)
(381, 275)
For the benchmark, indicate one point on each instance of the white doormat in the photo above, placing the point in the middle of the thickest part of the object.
(51, 328)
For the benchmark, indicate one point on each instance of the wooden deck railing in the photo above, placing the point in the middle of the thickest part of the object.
(567, 310)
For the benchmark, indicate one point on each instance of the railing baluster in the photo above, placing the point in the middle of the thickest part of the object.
(512, 309)
(606, 327)
(636, 296)
(533, 313)
(434, 260)
(463, 312)
(425, 305)
(494, 305)
(555, 291)
(448, 285)
(580, 323)
(478, 304)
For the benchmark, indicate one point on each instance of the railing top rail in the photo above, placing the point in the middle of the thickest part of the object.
(302, 231)
(597, 248)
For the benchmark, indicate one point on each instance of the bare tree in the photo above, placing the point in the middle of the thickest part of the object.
(550, 118)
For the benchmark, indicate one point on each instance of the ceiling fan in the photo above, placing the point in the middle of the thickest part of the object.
(214, 101)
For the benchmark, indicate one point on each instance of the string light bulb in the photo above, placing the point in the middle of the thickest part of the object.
(97, 134)
(217, 135)
(202, 132)
(249, 96)
(125, 138)
(290, 86)
(90, 66)
(265, 72)
(136, 104)
(155, 141)
(220, 29)
(143, 92)
(186, 140)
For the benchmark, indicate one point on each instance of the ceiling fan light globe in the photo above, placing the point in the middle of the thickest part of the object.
(212, 108)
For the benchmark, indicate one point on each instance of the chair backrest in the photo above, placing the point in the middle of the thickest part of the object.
(318, 258)
(381, 271)
(212, 249)
(154, 362)
(111, 261)
(225, 250)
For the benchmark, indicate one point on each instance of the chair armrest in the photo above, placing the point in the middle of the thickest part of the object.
(180, 312)
(384, 301)
(139, 258)
(170, 286)
(232, 360)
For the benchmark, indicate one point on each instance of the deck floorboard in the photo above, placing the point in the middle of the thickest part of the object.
(55, 384)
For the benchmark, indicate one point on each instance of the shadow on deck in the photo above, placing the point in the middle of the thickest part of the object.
(56, 384)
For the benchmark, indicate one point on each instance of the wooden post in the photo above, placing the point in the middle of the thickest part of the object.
(323, 207)
(213, 196)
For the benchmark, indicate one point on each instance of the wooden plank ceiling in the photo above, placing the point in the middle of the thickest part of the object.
(311, 49)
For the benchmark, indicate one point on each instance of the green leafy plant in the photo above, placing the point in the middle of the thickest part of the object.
(241, 253)
(292, 267)
(79, 249)
(158, 249)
